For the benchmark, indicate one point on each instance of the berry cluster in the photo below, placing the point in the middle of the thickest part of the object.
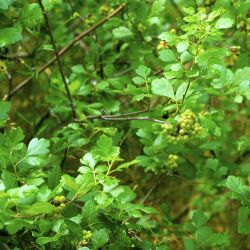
(59, 202)
(172, 161)
(186, 128)
(162, 45)
(86, 239)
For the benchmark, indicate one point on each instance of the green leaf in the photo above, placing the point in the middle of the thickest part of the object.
(214, 239)
(138, 80)
(243, 220)
(54, 176)
(31, 15)
(10, 35)
(157, 6)
(46, 240)
(37, 149)
(69, 183)
(126, 165)
(199, 219)
(11, 150)
(9, 180)
(123, 194)
(234, 183)
(88, 160)
(122, 32)
(100, 238)
(238, 189)
(182, 46)
(74, 228)
(211, 56)
(5, 108)
(215, 13)
(169, 37)
(181, 91)
(162, 247)
(90, 212)
(189, 10)
(224, 23)
(143, 71)
(238, 99)
(105, 149)
(4, 4)
(38, 208)
(167, 55)
(186, 56)
(189, 244)
(163, 87)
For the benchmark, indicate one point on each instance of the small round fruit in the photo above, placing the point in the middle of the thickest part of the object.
(61, 198)
(57, 199)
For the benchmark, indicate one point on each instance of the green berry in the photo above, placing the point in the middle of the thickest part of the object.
(58, 210)
(61, 198)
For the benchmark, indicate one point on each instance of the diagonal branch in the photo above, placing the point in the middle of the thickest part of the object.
(132, 118)
(58, 59)
(66, 48)
(124, 117)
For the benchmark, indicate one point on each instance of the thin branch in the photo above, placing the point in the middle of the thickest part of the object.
(185, 94)
(120, 115)
(129, 118)
(58, 59)
(66, 48)
(124, 117)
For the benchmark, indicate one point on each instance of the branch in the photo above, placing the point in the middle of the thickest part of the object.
(103, 117)
(123, 117)
(120, 115)
(58, 59)
(66, 48)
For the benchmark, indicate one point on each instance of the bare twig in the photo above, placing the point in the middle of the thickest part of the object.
(66, 48)
(121, 115)
(124, 117)
(58, 59)
(129, 118)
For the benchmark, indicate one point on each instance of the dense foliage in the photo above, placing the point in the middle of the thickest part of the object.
(124, 124)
